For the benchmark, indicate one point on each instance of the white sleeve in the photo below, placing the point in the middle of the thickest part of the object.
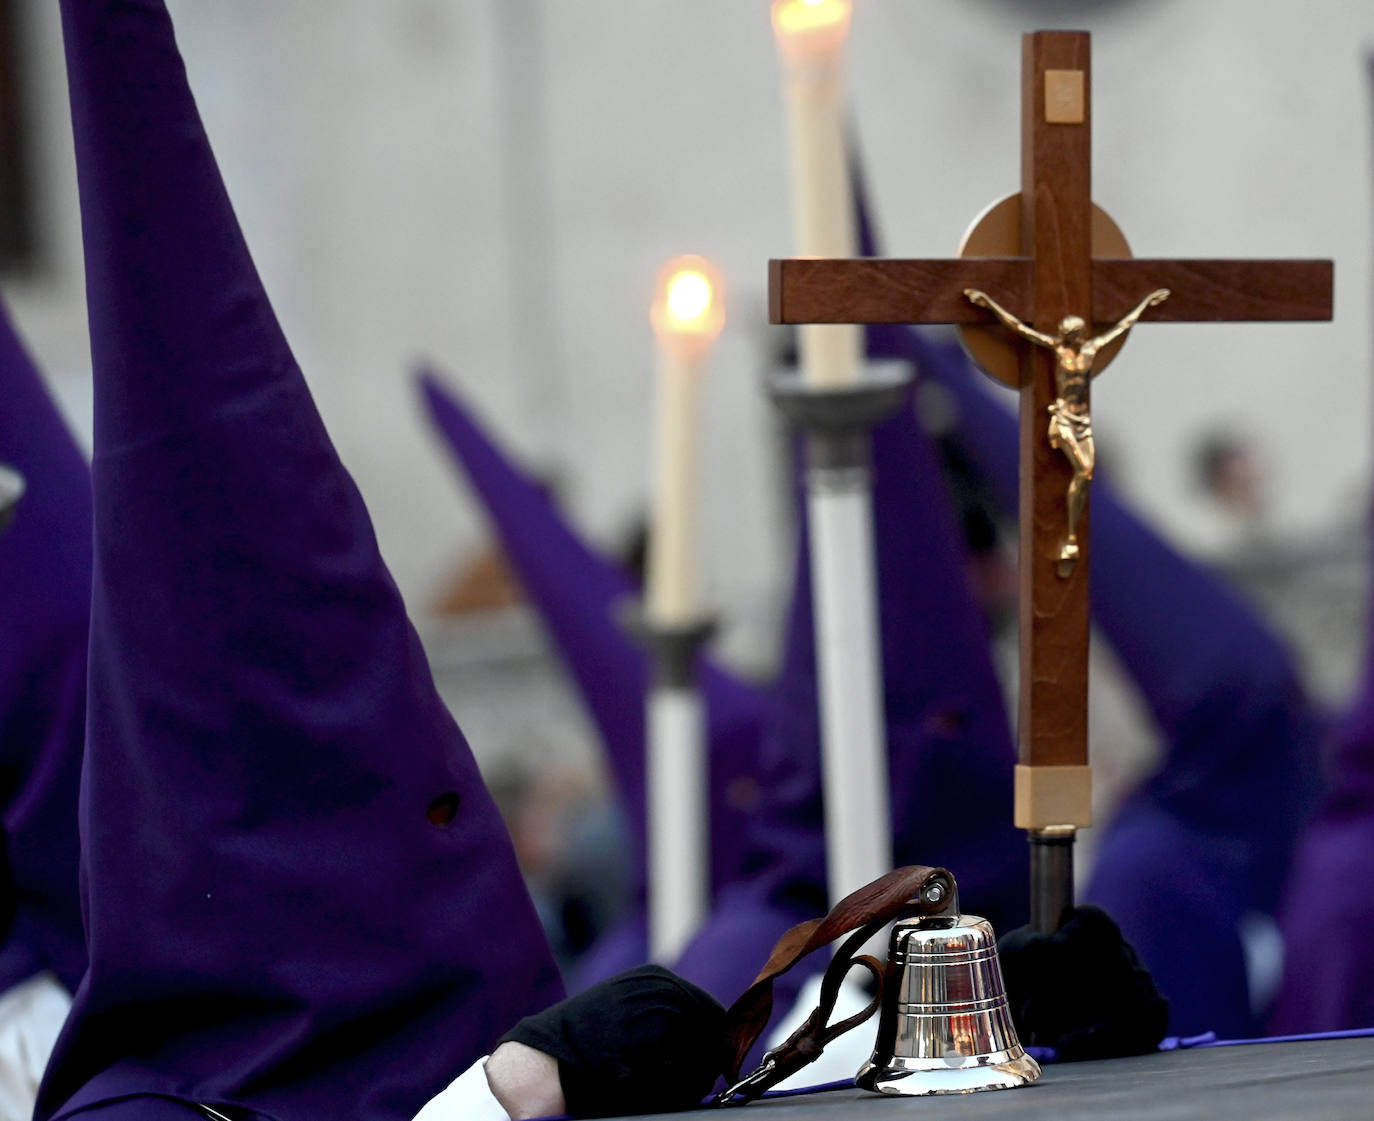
(31, 1015)
(467, 1098)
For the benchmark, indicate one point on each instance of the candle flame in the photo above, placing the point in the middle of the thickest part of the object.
(811, 32)
(688, 303)
(689, 296)
(791, 17)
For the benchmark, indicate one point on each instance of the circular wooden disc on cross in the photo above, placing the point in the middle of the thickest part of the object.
(997, 233)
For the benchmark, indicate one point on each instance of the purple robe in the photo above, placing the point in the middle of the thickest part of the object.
(45, 580)
(1328, 975)
(1328, 969)
(1207, 838)
(300, 898)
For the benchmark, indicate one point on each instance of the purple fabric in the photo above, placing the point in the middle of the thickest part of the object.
(578, 595)
(623, 946)
(45, 579)
(275, 918)
(143, 1109)
(1332, 883)
(1328, 976)
(1240, 732)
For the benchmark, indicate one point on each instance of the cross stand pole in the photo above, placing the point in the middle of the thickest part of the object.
(1051, 871)
(676, 783)
(836, 421)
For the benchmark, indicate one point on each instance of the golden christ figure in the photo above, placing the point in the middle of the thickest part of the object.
(1071, 426)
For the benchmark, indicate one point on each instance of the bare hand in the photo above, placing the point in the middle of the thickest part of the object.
(976, 297)
(525, 1081)
(1157, 298)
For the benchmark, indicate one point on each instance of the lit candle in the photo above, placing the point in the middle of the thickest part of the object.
(811, 36)
(687, 317)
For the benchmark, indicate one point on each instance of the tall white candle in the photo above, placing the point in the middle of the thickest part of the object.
(811, 36)
(687, 316)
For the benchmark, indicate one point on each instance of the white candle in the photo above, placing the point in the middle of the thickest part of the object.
(687, 316)
(811, 37)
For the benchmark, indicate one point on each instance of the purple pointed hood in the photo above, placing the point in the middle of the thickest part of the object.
(1329, 902)
(578, 595)
(1240, 732)
(1331, 898)
(299, 895)
(1351, 780)
(45, 579)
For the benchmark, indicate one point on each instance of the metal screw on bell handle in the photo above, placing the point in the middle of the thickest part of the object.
(945, 1026)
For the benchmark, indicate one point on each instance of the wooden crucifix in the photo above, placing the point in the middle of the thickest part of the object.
(1045, 263)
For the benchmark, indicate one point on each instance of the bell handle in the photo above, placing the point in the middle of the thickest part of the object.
(913, 890)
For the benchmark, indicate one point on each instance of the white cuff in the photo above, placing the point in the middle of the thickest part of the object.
(31, 1015)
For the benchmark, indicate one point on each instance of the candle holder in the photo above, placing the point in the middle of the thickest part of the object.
(11, 491)
(673, 647)
(676, 780)
(836, 420)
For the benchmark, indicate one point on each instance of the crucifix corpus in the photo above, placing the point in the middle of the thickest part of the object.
(1044, 292)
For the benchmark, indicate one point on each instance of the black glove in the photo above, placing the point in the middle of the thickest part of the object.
(644, 1041)
(1082, 990)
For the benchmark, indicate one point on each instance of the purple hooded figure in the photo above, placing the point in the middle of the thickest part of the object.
(300, 900)
(45, 578)
(1328, 969)
(1328, 972)
(579, 596)
(1206, 840)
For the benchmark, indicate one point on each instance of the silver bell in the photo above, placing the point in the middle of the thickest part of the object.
(945, 1027)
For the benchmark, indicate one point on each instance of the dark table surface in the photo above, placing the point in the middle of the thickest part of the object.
(1325, 1080)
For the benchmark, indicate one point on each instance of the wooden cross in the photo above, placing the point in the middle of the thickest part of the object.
(1056, 275)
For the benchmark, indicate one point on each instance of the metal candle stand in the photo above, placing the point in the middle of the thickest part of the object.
(676, 782)
(837, 421)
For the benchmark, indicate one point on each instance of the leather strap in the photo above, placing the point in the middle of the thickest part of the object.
(914, 890)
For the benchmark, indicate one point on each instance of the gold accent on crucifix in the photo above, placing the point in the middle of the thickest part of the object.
(1071, 426)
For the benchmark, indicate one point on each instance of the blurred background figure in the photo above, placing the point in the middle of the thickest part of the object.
(572, 844)
(1231, 512)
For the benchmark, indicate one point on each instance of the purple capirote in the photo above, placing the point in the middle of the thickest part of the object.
(1207, 838)
(300, 899)
(1328, 911)
(582, 599)
(45, 582)
(1328, 976)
